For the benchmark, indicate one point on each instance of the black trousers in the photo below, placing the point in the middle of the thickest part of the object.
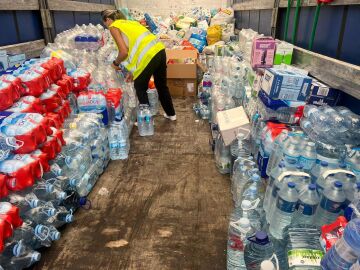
(157, 68)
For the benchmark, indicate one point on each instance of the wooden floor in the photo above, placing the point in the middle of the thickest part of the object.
(167, 207)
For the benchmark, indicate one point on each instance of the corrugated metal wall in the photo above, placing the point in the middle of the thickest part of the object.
(337, 35)
(24, 26)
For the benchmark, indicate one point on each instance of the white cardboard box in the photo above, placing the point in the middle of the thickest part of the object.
(231, 122)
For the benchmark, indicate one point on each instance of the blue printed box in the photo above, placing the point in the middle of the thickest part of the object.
(323, 94)
(286, 85)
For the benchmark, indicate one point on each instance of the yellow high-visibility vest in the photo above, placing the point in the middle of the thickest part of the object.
(143, 45)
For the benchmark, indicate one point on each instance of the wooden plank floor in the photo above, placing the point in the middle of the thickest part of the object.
(167, 206)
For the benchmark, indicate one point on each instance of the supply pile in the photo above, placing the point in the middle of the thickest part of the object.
(292, 155)
(63, 117)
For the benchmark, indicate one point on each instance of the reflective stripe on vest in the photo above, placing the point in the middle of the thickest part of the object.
(136, 47)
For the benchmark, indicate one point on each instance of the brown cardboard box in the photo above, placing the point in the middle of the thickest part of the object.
(182, 87)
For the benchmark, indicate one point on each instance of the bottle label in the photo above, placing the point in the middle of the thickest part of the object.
(330, 206)
(306, 209)
(290, 160)
(147, 119)
(275, 191)
(307, 162)
(285, 206)
(304, 257)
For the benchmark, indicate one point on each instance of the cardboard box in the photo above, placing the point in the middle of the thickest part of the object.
(16, 59)
(262, 54)
(4, 61)
(231, 122)
(182, 87)
(286, 85)
(182, 70)
(323, 94)
(283, 53)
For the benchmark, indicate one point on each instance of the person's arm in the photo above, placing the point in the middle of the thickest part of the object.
(123, 49)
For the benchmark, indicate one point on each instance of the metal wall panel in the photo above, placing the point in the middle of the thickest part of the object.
(350, 51)
(63, 20)
(30, 25)
(304, 28)
(95, 18)
(328, 30)
(82, 18)
(8, 28)
(254, 19)
(265, 22)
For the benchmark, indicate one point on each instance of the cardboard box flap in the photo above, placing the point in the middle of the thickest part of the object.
(181, 54)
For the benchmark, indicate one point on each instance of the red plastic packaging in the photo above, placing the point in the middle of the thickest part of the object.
(43, 159)
(332, 232)
(34, 87)
(28, 104)
(55, 119)
(67, 82)
(16, 83)
(9, 220)
(23, 175)
(31, 128)
(6, 96)
(50, 100)
(3, 188)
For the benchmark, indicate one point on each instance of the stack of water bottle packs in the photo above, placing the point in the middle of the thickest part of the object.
(56, 118)
(294, 170)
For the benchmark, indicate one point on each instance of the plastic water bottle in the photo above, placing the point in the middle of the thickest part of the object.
(277, 186)
(318, 170)
(308, 156)
(63, 216)
(346, 250)
(274, 155)
(7, 145)
(40, 214)
(248, 209)
(73, 200)
(149, 121)
(141, 120)
(353, 162)
(25, 203)
(306, 208)
(352, 193)
(238, 233)
(303, 249)
(239, 149)
(153, 97)
(291, 152)
(257, 250)
(222, 156)
(33, 235)
(331, 204)
(275, 173)
(119, 140)
(23, 261)
(285, 208)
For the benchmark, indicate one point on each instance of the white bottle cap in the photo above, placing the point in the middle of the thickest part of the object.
(244, 223)
(267, 265)
(245, 204)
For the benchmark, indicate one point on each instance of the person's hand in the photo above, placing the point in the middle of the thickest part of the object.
(129, 77)
(115, 67)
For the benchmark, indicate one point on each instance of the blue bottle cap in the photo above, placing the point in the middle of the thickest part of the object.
(69, 218)
(255, 177)
(34, 203)
(62, 196)
(82, 201)
(262, 238)
(38, 229)
(291, 185)
(51, 212)
(338, 184)
(312, 186)
(55, 236)
(18, 249)
(324, 163)
(342, 165)
(36, 256)
(49, 188)
(72, 182)
(282, 164)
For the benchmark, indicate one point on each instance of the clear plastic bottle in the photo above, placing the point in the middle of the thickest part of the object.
(331, 204)
(306, 208)
(141, 120)
(285, 208)
(308, 156)
(346, 250)
(248, 210)
(238, 233)
(23, 261)
(149, 121)
(222, 156)
(274, 153)
(257, 250)
(275, 173)
(239, 149)
(318, 170)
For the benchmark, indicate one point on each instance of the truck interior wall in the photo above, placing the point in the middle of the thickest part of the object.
(20, 26)
(337, 34)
